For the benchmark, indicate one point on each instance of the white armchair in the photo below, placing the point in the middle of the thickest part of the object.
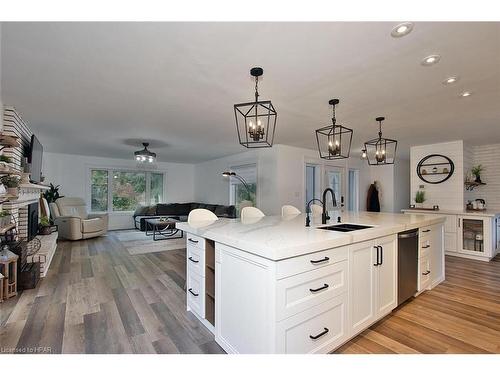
(74, 223)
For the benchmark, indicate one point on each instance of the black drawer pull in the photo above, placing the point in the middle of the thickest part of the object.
(194, 261)
(318, 289)
(426, 273)
(325, 259)
(326, 330)
(193, 293)
(426, 230)
(191, 240)
(426, 246)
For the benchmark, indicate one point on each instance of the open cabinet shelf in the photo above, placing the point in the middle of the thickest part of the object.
(210, 281)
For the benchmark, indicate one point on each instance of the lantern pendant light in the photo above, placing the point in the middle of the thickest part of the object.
(256, 121)
(380, 151)
(334, 141)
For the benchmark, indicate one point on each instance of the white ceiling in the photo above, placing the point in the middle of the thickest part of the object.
(91, 88)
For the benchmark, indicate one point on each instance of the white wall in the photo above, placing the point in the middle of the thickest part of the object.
(280, 178)
(489, 157)
(449, 194)
(71, 172)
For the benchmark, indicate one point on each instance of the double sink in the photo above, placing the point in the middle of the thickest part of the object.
(345, 227)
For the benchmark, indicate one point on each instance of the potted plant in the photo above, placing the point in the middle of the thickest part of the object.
(419, 198)
(476, 171)
(44, 227)
(52, 194)
(4, 218)
(11, 183)
(4, 161)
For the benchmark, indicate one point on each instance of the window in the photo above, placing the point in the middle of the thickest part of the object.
(239, 195)
(156, 188)
(334, 182)
(312, 182)
(114, 190)
(99, 187)
(129, 190)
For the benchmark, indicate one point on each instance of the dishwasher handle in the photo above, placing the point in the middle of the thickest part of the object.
(408, 234)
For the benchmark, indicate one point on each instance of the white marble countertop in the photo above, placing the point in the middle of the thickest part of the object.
(489, 213)
(276, 237)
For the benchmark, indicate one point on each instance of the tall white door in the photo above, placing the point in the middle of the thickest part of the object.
(387, 275)
(334, 179)
(362, 286)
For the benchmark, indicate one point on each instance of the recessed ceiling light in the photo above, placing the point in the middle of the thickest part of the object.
(431, 60)
(402, 29)
(450, 80)
(465, 94)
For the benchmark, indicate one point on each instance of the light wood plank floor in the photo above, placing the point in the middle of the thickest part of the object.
(97, 298)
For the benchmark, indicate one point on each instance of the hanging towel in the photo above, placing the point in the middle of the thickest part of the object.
(372, 200)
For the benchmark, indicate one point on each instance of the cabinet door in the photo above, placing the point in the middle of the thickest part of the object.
(362, 290)
(387, 276)
(474, 235)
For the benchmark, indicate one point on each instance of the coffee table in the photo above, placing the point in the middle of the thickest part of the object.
(162, 229)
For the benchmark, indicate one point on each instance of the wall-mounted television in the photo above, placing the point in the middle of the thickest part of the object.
(35, 160)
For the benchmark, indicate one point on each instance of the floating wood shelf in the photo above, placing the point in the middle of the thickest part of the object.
(7, 141)
(470, 185)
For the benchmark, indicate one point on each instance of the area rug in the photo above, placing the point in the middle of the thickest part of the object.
(138, 243)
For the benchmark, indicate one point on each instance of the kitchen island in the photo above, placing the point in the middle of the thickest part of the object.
(272, 285)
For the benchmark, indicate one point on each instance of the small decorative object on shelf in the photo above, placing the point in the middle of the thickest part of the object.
(419, 198)
(476, 171)
(12, 184)
(4, 218)
(435, 175)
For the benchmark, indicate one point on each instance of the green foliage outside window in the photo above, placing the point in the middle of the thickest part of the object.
(244, 196)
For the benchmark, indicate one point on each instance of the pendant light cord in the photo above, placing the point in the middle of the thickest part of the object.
(256, 89)
(334, 118)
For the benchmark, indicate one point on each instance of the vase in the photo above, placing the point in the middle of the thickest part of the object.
(478, 179)
(419, 205)
(14, 191)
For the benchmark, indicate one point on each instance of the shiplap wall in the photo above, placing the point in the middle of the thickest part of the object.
(449, 194)
(489, 157)
(13, 124)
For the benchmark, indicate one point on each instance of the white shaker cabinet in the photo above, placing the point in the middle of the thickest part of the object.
(373, 281)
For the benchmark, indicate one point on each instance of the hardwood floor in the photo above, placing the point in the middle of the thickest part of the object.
(97, 298)
(461, 315)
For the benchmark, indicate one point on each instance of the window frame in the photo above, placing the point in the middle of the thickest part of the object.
(111, 171)
(242, 164)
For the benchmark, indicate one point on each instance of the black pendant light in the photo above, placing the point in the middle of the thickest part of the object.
(145, 156)
(381, 151)
(334, 141)
(256, 121)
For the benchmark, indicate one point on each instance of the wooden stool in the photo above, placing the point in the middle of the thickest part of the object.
(8, 267)
(1, 287)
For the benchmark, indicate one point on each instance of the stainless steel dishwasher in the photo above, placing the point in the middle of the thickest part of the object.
(407, 264)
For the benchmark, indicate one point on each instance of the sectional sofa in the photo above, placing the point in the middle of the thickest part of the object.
(179, 211)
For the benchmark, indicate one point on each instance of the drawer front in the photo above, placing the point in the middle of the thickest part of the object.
(318, 330)
(309, 262)
(425, 246)
(196, 241)
(196, 294)
(425, 232)
(300, 292)
(195, 259)
(424, 273)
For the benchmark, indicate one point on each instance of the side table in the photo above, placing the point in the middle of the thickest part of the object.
(8, 267)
